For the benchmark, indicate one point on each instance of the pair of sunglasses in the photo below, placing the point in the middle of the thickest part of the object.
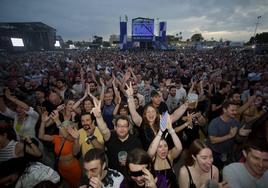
(136, 174)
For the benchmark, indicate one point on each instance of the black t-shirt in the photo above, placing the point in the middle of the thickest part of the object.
(115, 145)
(217, 99)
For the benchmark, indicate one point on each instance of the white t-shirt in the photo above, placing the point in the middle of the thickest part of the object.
(28, 125)
(35, 174)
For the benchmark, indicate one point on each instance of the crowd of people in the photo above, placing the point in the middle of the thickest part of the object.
(126, 119)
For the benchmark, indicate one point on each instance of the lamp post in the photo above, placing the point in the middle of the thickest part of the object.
(256, 27)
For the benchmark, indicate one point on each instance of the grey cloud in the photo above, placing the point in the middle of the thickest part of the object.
(82, 18)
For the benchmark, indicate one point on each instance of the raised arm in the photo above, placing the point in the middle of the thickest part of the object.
(30, 148)
(133, 74)
(116, 91)
(2, 104)
(117, 105)
(201, 91)
(75, 134)
(177, 114)
(245, 106)
(102, 89)
(176, 150)
(137, 119)
(77, 104)
(106, 133)
(15, 100)
(153, 146)
(192, 86)
(41, 133)
(188, 123)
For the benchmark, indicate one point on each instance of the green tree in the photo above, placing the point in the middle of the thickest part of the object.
(261, 38)
(197, 37)
(69, 42)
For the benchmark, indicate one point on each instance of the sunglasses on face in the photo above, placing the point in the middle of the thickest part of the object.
(136, 174)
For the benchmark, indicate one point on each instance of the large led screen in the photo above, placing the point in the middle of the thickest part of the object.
(142, 27)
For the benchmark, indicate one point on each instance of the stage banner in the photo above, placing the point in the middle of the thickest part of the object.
(123, 35)
(162, 31)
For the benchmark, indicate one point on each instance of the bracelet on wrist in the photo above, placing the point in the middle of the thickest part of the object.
(130, 97)
(171, 131)
(160, 133)
(59, 125)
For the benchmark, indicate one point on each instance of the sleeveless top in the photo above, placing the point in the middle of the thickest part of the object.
(192, 185)
(169, 174)
(8, 152)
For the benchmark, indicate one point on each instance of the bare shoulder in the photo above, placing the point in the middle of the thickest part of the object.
(183, 178)
(183, 171)
(215, 170)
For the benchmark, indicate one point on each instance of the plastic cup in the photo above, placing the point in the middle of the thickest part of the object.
(122, 156)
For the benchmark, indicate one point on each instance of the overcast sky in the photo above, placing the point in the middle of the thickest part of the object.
(80, 19)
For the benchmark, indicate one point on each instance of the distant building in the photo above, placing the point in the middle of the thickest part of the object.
(114, 40)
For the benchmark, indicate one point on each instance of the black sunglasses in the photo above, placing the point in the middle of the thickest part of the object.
(136, 174)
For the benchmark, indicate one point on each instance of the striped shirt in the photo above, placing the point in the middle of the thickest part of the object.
(8, 152)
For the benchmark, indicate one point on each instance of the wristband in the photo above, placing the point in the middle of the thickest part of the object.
(171, 131)
(59, 126)
(160, 133)
(130, 98)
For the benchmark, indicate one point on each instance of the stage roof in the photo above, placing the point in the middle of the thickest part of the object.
(25, 26)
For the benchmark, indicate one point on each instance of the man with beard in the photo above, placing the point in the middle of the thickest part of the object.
(63, 90)
(90, 136)
(172, 102)
(222, 132)
(235, 97)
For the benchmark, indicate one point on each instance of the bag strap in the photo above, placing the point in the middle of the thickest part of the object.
(58, 157)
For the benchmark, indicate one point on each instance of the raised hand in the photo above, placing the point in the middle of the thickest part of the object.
(73, 132)
(190, 120)
(169, 123)
(251, 99)
(243, 131)
(150, 181)
(127, 75)
(60, 107)
(7, 92)
(233, 131)
(129, 90)
(102, 82)
(95, 182)
(117, 100)
(97, 107)
(45, 116)
(55, 116)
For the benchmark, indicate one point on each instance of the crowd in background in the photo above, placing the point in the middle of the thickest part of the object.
(108, 118)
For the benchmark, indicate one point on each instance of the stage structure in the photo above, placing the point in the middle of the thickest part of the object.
(27, 36)
(142, 35)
